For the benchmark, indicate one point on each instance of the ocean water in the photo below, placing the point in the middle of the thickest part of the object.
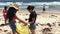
(38, 5)
(28, 0)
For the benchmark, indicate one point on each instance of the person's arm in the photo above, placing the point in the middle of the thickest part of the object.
(21, 20)
(33, 19)
(3, 11)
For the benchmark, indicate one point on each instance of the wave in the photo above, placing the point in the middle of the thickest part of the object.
(41, 3)
(38, 5)
(31, 3)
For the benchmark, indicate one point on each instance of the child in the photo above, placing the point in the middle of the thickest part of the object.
(44, 9)
(5, 13)
(32, 19)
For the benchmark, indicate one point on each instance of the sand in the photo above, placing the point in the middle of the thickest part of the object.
(46, 23)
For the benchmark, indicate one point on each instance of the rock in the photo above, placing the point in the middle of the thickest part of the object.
(46, 29)
(2, 24)
(38, 14)
(50, 33)
(0, 19)
(58, 24)
(26, 19)
(37, 24)
(26, 14)
(5, 30)
(9, 33)
(53, 23)
(0, 29)
(19, 14)
(49, 24)
(53, 16)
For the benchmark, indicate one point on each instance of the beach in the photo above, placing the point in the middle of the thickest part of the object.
(46, 23)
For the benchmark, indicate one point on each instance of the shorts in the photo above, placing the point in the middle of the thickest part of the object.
(33, 26)
(43, 9)
(13, 26)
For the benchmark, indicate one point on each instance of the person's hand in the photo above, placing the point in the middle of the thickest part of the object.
(25, 24)
(28, 24)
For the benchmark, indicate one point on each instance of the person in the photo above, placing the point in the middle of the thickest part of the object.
(32, 19)
(11, 17)
(5, 13)
(44, 8)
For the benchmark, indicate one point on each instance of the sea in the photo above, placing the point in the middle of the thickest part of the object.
(23, 4)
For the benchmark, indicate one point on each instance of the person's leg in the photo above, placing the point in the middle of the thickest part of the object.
(14, 32)
(32, 28)
(17, 32)
(5, 17)
(32, 31)
(13, 27)
(5, 20)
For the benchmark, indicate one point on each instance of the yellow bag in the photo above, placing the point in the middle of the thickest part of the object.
(22, 29)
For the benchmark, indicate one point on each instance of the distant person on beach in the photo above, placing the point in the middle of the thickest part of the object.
(5, 13)
(11, 17)
(44, 8)
(32, 19)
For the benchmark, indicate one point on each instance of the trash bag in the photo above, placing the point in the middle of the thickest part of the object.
(22, 29)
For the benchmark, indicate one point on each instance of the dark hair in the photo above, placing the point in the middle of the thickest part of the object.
(30, 7)
(11, 13)
(5, 7)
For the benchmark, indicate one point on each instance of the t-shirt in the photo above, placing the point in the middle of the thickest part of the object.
(32, 15)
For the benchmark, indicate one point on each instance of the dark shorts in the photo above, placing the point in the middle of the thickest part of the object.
(13, 26)
(33, 26)
(43, 9)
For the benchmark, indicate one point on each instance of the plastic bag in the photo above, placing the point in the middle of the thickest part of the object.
(22, 29)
